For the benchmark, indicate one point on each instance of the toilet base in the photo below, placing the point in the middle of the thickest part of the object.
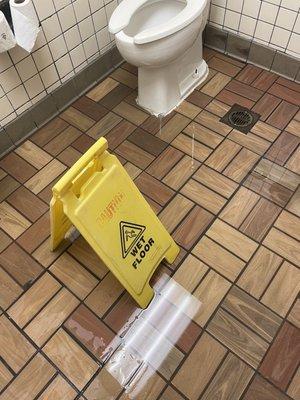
(162, 89)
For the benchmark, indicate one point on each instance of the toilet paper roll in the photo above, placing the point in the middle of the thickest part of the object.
(7, 39)
(25, 23)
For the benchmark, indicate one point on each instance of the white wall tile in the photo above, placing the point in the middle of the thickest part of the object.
(86, 28)
(82, 9)
(77, 56)
(64, 66)
(44, 8)
(99, 18)
(49, 76)
(247, 25)
(26, 68)
(263, 31)
(58, 47)
(5, 107)
(235, 5)
(67, 17)
(18, 97)
(34, 86)
(72, 37)
(280, 37)
(251, 8)
(268, 12)
(51, 27)
(9, 79)
(42, 57)
(286, 18)
(217, 14)
(294, 44)
(5, 61)
(232, 20)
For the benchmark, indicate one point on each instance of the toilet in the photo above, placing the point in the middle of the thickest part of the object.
(163, 38)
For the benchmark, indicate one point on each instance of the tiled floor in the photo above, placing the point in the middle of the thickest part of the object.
(235, 216)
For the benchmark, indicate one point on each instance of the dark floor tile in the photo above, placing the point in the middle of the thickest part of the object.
(7, 186)
(265, 80)
(153, 188)
(83, 143)
(115, 96)
(192, 227)
(266, 105)
(153, 124)
(282, 115)
(134, 154)
(90, 108)
(17, 167)
(20, 265)
(231, 98)
(282, 148)
(27, 203)
(36, 234)
(249, 74)
(199, 99)
(260, 389)
(285, 93)
(165, 162)
(49, 131)
(283, 357)
(119, 133)
(244, 90)
(69, 156)
(147, 142)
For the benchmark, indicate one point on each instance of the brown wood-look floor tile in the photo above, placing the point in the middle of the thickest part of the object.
(283, 356)
(244, 90)
(293, 163)
(215, 181)
(223, 66)
(188, 109)
(285, 93)
(51, 316)
(260, 219)
(5, 240)
(69, 156)
(125, 77)
(5, 376)
(170, 394)
(147, 142)
(173, 127)
(250, 141)
(104, 295)
(282, 115)
(165, 162)
(217, 107)
(265, 131)
(36, 234)
(294, 387)
(283, 289)
(211, 74)
(11, 221)
(184, 143)
(7, 185)
(33, 154)
(283, 245)
(269, 189)
(34, 299)
(45, 256)
(131, 113)
(119, 133)
(15, 349)
(282, 148)
(62, 140)
(294, 315)
(153, 124)
(203, 196)
(199, 367)
(212, 122)
(49, 131)
(230, 381)
(28, 204)
(289, 224)
(260, 389)
(190, 273)
(175, 211)
(83, 143)
(259, 272)
(183, 170)
(81, 250)
(223, 155)
(134, 154)
(265, 80)
(216, 84)
(99, 335)
(90, 108)
(199, 99)
(266, 105)
(231, 98)
(31, 380)
(252, 313)
(218, 258)
(102, 89)
(76, 118)
(20, 265)
(73, 275)
(232, 239)
(58, 389)
(239, 207)
(153, 188)
(249, 74)
(17, 167)
(294, 127)
(192, 227)
(277, 174)
(103, 385)
(288, 83)
(9, 291)
(115, 96)
(104, 125)
(238, 338)
(71, 359)
(203, 135)
(210, 292)
(241, 165)
(294, 203)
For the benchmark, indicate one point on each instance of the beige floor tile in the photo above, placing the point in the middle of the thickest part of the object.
(199, 367)
(216, 84)
(34, 299)
(294, 315)
(222, 156)
(131, 113)
(173, 127)
(73, 275)
(188, 109)
(294, 388)
(203, 134)
(103, 386)
(125, 77)
(5, 376)
(175, 211)
(51, 317)
(33, 154)
(283, 290)
(71, 359)
(77, 119)
(210, 293)
(212, 121)
(101, 90)
(102, 127)
(283, 245)
(58, 389)
(45, 176)
(9, 290)
(289, 223)
(184, 143)
(11, 221)
(182, 171)
(190, 272)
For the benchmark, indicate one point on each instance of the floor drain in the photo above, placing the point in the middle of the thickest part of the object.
(240, 118)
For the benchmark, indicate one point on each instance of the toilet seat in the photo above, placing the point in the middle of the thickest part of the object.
(123, 13)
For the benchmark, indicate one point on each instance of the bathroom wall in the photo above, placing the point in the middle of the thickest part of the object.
(73, 33)
(275, 23)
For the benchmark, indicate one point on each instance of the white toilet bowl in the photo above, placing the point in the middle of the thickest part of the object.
(163, 38)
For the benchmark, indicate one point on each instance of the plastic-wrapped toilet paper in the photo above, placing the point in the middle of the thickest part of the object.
(25, 23)
(7, 39)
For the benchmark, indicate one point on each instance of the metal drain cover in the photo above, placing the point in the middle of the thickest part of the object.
(240, 118)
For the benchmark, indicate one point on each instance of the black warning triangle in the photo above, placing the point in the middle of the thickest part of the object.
(130, 235)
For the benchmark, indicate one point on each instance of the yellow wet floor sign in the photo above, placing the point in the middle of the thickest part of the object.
(99, 198)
